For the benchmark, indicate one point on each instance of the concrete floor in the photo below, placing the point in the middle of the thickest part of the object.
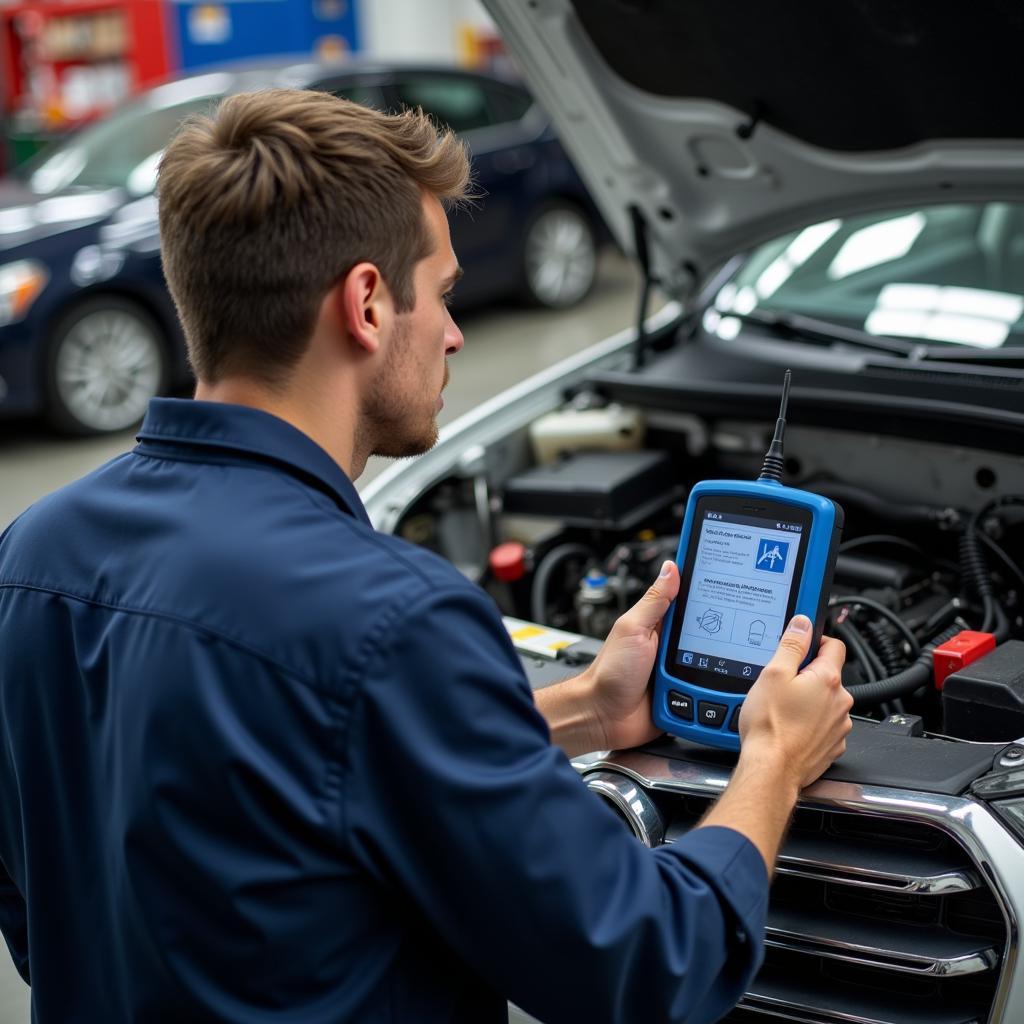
(503, 346)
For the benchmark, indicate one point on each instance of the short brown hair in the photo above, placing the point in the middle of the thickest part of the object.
(265, 205)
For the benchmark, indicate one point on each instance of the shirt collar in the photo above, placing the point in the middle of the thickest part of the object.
(250, 433)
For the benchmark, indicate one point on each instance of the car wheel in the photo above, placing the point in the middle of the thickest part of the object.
(559, 256)
(106, 359)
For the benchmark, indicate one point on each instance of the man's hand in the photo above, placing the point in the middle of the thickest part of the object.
(802, 718)
(619, 675)
(793, 726)
(608, 706)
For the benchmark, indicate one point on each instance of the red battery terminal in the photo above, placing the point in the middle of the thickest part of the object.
(967, 646)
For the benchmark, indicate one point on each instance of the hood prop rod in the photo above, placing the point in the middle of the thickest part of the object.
(640, 231)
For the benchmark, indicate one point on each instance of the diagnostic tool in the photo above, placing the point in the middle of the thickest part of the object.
(751, 556)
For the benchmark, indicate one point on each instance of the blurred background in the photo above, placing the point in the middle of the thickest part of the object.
(90, 90)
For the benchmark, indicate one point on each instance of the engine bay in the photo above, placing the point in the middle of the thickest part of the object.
(566, 523)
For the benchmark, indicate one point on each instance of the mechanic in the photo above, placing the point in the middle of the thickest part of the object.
(262, 763)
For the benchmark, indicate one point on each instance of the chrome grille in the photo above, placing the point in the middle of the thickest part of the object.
(888, 907)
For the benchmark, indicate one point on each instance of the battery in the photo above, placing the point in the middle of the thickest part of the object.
(985, 700)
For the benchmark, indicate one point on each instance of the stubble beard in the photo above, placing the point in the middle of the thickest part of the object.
(387, 426)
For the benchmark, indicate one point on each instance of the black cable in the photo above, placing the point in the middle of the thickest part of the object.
(857, 646)
(544, 571)
(1001, 554)
(942, 617)
(892, 540)
(887, 613)
(903, 683)
(975, 567)
(882, 642)
(886, 510)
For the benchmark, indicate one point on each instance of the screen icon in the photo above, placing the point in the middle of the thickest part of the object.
(687, 657)
(703, 663)
(710, 621)
(771, 555)
(747, 670)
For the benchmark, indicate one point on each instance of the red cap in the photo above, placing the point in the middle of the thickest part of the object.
(967, 646)
(508, 561)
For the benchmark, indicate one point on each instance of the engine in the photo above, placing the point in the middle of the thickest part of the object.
(928, 585)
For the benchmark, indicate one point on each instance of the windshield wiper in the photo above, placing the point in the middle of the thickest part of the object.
(808, 328)
(1012, 355)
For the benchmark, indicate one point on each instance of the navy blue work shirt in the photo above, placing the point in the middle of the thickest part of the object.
(264, 764)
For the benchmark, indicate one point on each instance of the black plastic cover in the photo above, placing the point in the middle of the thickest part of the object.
(878, 757)
(610, 490)
(985, 700)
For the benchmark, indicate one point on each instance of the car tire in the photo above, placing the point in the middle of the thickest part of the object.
(559, 256)
(106, 358)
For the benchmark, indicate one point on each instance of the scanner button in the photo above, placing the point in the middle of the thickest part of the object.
(711, 715)
(680, 704)
(734, 722)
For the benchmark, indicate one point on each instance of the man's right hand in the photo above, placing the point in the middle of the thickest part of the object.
(802, 717)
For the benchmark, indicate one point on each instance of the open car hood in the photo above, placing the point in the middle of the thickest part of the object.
(719, 125)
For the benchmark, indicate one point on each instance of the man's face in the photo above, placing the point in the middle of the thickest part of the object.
(402, 406)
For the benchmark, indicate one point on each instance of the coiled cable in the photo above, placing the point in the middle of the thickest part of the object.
(902, 683)
(885, 646)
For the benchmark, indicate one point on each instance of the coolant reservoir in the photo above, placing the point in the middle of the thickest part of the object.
(612, 429)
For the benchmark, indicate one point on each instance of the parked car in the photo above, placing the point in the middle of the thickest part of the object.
(826, 195)
(88, 333)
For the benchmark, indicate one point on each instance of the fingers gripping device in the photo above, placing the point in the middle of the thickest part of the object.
(751, 555)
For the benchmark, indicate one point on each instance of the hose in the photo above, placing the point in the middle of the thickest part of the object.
(884, 645)
(891, 511)
(902, 683)
(545, 570)
(855, 644)
(887, 613)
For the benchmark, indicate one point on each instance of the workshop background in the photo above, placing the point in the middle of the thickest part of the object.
(64, 64)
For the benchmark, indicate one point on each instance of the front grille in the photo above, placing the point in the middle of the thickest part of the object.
(874, 918)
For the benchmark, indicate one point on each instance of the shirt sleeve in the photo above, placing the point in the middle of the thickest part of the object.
(14, 923)
(456, 797)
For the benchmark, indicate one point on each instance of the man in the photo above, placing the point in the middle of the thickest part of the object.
(262, 763)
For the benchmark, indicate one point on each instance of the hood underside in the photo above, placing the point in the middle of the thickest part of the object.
(725, 124)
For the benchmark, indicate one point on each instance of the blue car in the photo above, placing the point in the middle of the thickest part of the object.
(88, 332)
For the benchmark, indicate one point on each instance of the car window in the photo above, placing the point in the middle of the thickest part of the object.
(358, 92)
(950, 274)
(507, 104)
(460, 103)
(123, 150)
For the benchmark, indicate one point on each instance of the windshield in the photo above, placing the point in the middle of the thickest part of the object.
(949, 275)
(123, 150)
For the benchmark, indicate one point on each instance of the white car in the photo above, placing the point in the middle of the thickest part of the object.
(837, 190)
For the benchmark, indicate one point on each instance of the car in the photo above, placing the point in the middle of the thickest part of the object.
(88, 332)
(843, 197)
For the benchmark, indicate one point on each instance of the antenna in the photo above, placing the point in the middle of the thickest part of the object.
(771, 469)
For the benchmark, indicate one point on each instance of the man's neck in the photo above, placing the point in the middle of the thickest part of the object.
(327, 424)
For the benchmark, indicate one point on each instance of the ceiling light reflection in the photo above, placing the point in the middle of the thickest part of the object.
(876, 244)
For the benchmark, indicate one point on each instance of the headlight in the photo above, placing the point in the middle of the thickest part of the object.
(1004, 792)
(20, 285)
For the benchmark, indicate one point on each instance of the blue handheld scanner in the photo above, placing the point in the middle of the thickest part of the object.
(751, 556)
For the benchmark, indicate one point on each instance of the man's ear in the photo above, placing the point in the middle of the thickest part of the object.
(363, 303)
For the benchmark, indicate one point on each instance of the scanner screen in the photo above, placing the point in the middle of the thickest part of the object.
(735, 608)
